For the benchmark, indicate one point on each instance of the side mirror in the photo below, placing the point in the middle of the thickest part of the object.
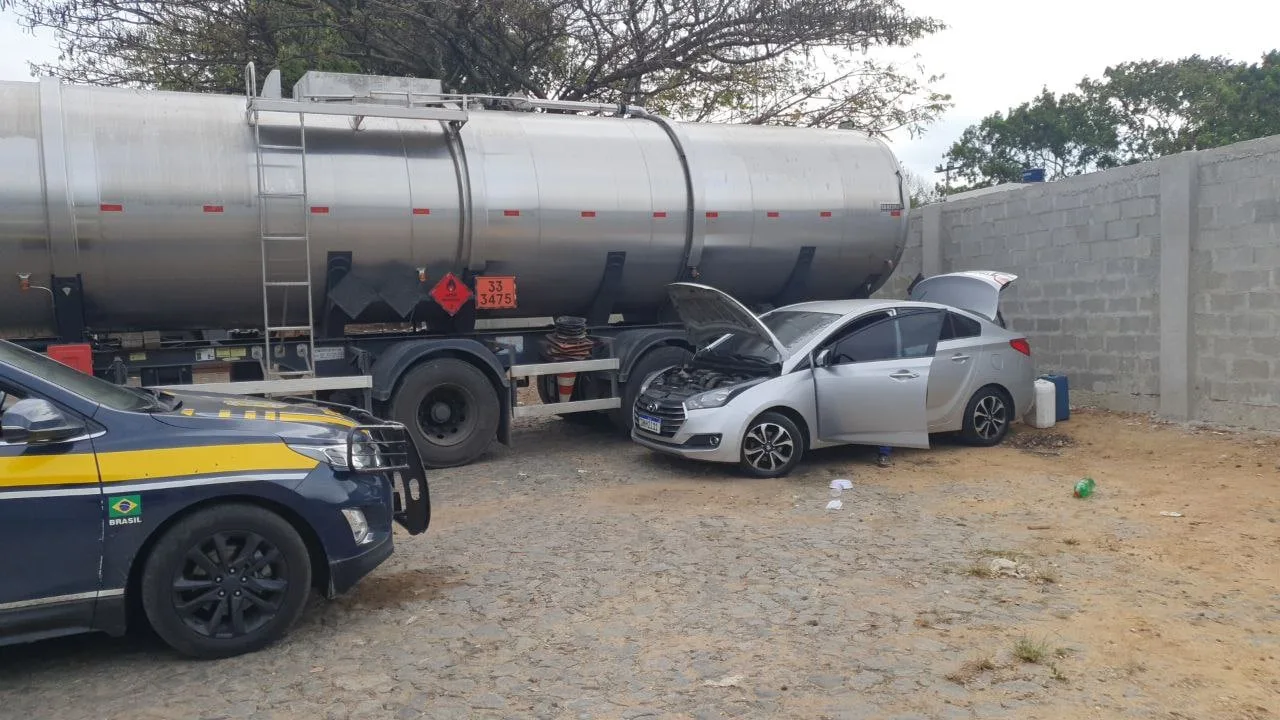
(36, 422)
(823, 358)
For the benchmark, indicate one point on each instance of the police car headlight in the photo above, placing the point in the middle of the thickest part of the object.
(364, 454)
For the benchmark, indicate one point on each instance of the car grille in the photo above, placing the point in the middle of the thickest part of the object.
(669, 410)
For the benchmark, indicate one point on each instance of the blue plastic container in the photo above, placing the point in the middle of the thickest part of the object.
(1063, 400)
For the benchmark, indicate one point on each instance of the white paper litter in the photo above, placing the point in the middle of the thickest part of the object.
(835, 505)
(1167, 513)
(841, 485)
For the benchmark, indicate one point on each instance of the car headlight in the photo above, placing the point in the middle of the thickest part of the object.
(364, 453)
(718, 397)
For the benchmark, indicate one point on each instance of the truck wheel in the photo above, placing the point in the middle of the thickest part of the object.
(548, 393)
(653, 361)
(225, 581)
(451, 410)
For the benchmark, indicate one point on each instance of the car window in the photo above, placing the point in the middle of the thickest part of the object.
(919, 332)
(957, 327)
(10, 395)
(793, 328)
(879, 341)
(86, 386)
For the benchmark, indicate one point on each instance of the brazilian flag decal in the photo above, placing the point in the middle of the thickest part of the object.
(124, 509)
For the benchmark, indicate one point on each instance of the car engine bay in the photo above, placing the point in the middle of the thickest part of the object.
(689, 380)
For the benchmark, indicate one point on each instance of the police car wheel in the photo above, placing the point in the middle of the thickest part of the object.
(225, 581)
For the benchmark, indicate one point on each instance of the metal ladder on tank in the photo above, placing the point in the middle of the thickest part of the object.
(286, 253)
(407, 106)
(286, 257)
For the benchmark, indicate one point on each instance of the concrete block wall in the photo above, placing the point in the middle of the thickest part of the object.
(1154, 287)
(1235, 286)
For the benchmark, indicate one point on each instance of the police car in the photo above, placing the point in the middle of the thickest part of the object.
(210, 516)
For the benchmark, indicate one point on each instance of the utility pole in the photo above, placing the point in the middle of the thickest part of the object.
(946, 170)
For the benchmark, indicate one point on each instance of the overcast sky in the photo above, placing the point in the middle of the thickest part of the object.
(995, 53)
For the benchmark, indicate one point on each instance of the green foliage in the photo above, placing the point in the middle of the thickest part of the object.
(757, 61)
(1137, 111)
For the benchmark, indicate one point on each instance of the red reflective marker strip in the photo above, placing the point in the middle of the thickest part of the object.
(772, 213)
(825, 213)
(111, 207)
(659, 213)
(588, 213)
(713, 215)
(511, 213)
(319, 209)
(422, 211)
(213, 208)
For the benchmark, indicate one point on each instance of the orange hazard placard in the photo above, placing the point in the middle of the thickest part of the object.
(496, 293)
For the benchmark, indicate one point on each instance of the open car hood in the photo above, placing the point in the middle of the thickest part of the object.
(709, 314)
(977, 291)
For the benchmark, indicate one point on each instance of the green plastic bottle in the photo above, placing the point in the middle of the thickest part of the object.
(1084, 488)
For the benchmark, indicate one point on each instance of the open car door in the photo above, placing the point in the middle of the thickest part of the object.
(977, 291)
(872, 382)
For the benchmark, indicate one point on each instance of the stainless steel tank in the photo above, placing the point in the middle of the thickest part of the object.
(152, 198)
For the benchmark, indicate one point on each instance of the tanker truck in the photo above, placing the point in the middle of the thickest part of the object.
(376, 241)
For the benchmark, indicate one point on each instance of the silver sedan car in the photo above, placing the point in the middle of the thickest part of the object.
(762, 390)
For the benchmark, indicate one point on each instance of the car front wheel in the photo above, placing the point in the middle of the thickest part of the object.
(225, 581)
(987, 417)
(772, 446)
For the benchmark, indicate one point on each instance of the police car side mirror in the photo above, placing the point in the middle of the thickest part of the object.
(823, 358)
(35, 422)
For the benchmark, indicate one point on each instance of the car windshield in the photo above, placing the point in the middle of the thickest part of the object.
(86, 386)
(793, 328)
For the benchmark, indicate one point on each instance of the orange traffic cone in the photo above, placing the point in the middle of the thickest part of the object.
(564, 382)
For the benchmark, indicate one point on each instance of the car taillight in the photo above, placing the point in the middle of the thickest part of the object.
(1022, 346)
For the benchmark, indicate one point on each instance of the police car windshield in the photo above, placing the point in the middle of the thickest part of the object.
(86, 386)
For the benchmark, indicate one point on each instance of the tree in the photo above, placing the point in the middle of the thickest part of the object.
(1065, 134)
(920, 190)
(1135, 112)
(801, 62)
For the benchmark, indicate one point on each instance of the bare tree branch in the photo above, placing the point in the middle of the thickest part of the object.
(761, 61)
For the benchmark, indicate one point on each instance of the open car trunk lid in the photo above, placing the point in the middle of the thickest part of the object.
(709, 314)
(977, 291)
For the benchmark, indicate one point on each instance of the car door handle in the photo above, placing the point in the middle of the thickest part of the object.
(904, 375)
(959, 358)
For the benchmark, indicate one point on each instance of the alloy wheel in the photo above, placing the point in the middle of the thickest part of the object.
(989, 417)
(230, 584)
(768, 446)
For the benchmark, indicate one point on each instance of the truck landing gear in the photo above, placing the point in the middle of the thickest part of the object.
(451, 410)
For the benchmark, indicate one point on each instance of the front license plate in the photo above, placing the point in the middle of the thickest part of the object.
(649, 424)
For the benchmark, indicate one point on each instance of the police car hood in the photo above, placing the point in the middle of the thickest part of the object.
(199, 411)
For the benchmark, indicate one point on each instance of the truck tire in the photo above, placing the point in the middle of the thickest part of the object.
(218, 607)
(548, 393)
(451, 409)
(656, 359)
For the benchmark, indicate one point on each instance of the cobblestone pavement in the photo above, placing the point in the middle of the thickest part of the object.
(579, 576)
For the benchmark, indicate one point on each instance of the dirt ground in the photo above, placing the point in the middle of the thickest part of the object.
(577, 575)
